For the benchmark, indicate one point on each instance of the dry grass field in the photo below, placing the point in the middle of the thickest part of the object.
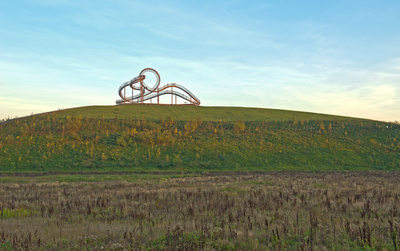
(214, 211)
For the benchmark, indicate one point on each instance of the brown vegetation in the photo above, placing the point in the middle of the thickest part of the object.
(276, 210)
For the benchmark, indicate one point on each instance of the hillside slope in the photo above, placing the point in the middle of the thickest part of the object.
(151, 137)
(159, 112)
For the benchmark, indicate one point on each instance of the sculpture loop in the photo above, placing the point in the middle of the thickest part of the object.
(142, 73)
(147, 92)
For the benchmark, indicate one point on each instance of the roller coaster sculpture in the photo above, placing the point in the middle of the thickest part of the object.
(147, 93)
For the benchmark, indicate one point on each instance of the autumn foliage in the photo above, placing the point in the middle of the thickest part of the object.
(78, 143)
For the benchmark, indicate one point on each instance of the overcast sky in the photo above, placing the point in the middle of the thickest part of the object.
(338, 57)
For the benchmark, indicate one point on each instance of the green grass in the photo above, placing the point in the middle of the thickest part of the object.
(159, 112)
(188, 138)
(93, 177)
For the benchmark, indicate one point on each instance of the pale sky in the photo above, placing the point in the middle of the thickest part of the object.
(337, 57)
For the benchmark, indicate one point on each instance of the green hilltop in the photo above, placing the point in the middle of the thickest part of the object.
(185, 113)
(190, 138)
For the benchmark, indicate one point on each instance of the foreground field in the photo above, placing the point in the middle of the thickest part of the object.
(274, 210)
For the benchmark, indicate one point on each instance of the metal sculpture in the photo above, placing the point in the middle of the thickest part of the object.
(147, 93)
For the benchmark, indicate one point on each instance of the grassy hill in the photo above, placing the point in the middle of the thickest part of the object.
(152, 137)
(185, 113)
